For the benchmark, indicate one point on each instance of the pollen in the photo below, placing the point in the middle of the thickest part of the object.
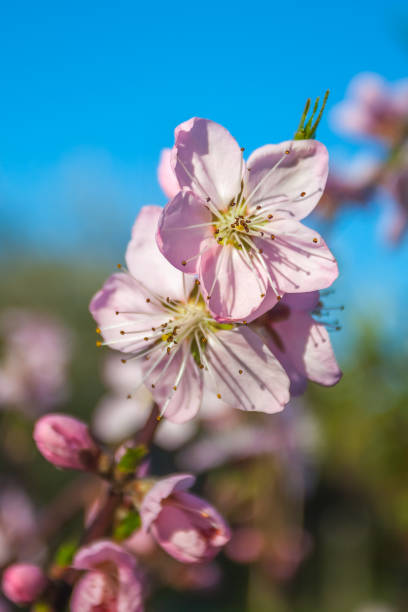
(119, 266)
(147, 300)
(240, 371)
(302, 195)
(219, 395)
(123, 360)
(315, 240)
(98, 343)
(184, 263)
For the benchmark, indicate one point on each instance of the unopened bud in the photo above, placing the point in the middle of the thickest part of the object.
(66, 442)
(23, 582)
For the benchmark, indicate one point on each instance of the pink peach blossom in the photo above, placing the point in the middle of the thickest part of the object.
(65, 442)
(112, 582)
(373, 108)
(301, 343)
(184, 525)
(23, 583)
(156, 313)
(237, 225)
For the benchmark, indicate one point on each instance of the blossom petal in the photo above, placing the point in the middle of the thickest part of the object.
(236, 286)
(186, 399)
(297, 257)
(137, 312)
(177, 237)
(165, 173)
(295, 185)
(151, 505)
(245, 372)
(303, 347)
(144, 260)
(208, 160)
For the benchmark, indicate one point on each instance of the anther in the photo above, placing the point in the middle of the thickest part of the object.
(287, 152)
(123, 360)
(315, 240)
(145, 338)
(119, 266)
(270, 216)
(278, 297)
(205, 514)
(122, 333)
(184, 263)
(129, 396)
(242, 149)
(175, 388)
(302, 195)
(240, 371)
(117, 312)
(272, 236)
(260, 251)
(147, 300)
(208, 297)
(153, 386)
(208, 199)
(258, 207)
(219, 395)
(98, 343)
(158, 418)
(262, 295)
(197, 282)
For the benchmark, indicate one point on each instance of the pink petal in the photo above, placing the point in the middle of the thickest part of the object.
(89, 592)
(166, 176)
(144, 260)
(179, 537)
(298, 258)
(208, 160)
(90, 557)
(303, 171)
(124, 295)
(151, 505)
(305, 302)
(177, 237)
(238, 287)
(307, 352)
(186, 399)
(262, 384)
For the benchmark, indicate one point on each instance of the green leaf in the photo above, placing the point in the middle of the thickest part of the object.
(66, 552)
(131, 459)
(127, 525)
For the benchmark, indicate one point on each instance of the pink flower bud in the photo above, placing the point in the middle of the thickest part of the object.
(187, 527)
(65, 442)
(23, 582)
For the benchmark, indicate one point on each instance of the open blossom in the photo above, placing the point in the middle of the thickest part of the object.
(237, 224)
(301, 343)
(157, 314)
(33, 372)
(373, 108)
(112, 582)
(65, 442)
(23, 582)
(397, 184)
(187, 527)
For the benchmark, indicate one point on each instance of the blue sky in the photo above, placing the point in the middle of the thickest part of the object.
(93, 90)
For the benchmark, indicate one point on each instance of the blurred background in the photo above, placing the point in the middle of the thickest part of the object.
(91, 95)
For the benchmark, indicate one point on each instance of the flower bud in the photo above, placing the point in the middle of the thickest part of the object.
(23, 582)
(66, 442)
(187, 527)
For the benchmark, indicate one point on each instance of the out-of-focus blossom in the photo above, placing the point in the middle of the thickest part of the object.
(195, 577)
(353, 183)
(66, 442)
(237, 224)
(141, 543)
(374, 108)
(112, 580)
(33, 371)
(246, 545)
(157, 314)
(117, 417)
(187, 527)
(286, 552)
(23, 583)
(18, 526)
(397, 184)
(167, 179)
(301, 343)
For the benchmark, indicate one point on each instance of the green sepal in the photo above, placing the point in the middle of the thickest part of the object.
(65, 553)
(132, 458)
(127, 525)
(308, 131)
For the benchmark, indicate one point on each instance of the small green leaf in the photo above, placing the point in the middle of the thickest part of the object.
(131, 459)
(127, 525)
(66, 552)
